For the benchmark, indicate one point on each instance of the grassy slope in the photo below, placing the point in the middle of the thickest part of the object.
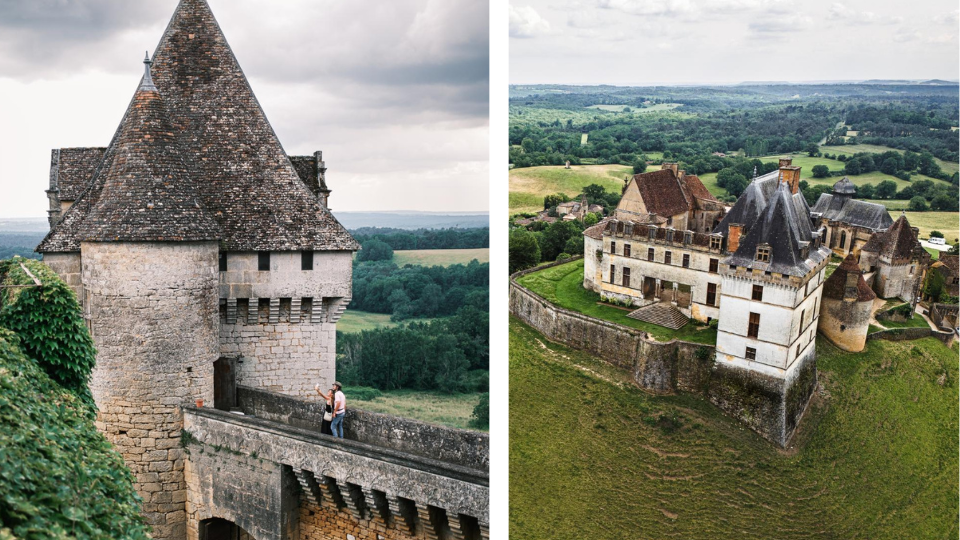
(529, 185)
(851, 149)
(588, 455)
(945, 222)
(449, 410)
(354, 320)
(440, 257)
(563, 286)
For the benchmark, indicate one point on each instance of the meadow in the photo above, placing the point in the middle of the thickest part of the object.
(354, 320)
(945, 222)
(440, 257)
(529, 185)
(876, 457)
(452, 410)
(562, 285)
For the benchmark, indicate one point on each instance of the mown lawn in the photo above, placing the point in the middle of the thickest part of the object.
(452, 410)
(591, 456)
(563, 286)
(529, 185)
(440, 257)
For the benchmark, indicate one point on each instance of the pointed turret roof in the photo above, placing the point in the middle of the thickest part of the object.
(148, 193)
(241, 173)
(246, 179)
(847, 282)
(899, 242)
(786, 230)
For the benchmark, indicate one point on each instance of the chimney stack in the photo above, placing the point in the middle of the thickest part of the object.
(672, 166)
(785, 162)
(733, 237)
(791, 176)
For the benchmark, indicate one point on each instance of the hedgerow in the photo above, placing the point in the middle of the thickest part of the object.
(48, 321)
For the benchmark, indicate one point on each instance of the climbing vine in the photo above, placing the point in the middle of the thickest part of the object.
(49, 324)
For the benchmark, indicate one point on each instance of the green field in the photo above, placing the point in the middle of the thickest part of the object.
(440, 257)
(529, 185)
(946, 222)
(562, 285)
(593, 456)
(353, 321)
(445, 409)
(659, 107)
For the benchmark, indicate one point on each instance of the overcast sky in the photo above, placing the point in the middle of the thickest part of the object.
(641, 42)
(394, 92)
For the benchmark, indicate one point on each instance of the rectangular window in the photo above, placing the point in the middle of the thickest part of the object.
(613, 273)
(803, 317)
(711, 294)
(751, 354)
(758, 293)
(763, 254)
(667, 257)
(263, 261)
(686, 260)
(753, 330)
(626, 277)
(649, 254)
(714, 266)
(306, 260)
(626, 250)
(714, 242)
(223, 261)
(613, 248)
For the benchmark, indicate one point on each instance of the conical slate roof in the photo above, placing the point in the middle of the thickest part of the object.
(845, 187)
(147, 191)
(246, 178)
(786, 230)
(242, 175)
(899, 242)
(835, 287)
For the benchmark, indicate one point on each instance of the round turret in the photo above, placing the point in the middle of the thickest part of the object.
(846, 306)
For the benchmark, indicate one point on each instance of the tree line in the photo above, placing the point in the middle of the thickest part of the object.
(402, 239)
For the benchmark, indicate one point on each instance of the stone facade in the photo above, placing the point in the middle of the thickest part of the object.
(770, 403)
(152, 310)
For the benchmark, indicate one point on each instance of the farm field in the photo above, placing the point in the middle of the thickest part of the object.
(876, 457)
(659, 107)
(945, 222)
(529, 185)
(354, 320)
(452, 410)
(562, 285)
(440, 257)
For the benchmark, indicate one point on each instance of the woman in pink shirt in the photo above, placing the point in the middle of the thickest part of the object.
(339, 410)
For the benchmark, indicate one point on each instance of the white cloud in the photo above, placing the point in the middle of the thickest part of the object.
(839, 11)
(525, 22)
(948, 18)
(942, 38)
(650, 7)
(904, 35)
(778, 26)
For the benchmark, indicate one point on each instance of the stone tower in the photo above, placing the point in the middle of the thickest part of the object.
(769, 306)
(195, 241)
(847, 306)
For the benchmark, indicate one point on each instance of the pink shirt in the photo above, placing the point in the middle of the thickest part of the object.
(339, 403)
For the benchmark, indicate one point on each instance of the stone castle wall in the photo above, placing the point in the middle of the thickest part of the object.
(845, 324)
(152, 309)
(770, 406)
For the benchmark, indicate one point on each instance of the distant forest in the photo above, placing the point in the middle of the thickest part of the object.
(402, 239)
(547, 124)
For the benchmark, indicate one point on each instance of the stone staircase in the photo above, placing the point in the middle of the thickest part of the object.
(661, 314)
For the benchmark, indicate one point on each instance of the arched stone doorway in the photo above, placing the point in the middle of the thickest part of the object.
(221, 529)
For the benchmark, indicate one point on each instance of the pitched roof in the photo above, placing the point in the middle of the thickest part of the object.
(243, 176)
(307, 168)
(695, 189)
(596, 231)
(751, 203)
(853, 211)
(786, 230)
(73, 168)
(899, 242)
(835, 286)
(661, 193)
(951, 263)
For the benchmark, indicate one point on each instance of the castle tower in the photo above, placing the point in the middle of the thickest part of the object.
(769, 305)
(148, 252)
(847, 306)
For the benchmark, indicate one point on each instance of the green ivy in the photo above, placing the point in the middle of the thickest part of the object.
(59, 477)
(49, 323)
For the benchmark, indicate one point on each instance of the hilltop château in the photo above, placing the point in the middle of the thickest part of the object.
(210, 268)
(674, 252)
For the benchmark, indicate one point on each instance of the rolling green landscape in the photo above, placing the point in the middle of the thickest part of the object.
(529, 185)
(452, 410)
(875, 457)
(440, 257)
(562, 285)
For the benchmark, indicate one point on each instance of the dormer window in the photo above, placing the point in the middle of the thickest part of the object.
(714, 242)
(669, 235)
(687, 237)
(652, 233)
(763, 253)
